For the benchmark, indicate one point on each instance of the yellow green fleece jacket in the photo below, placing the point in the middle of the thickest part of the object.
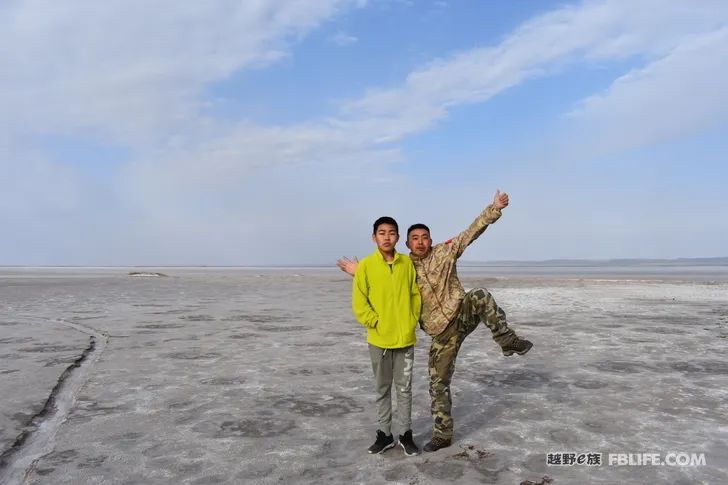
(386, 300)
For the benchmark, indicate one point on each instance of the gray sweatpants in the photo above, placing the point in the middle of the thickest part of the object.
(393, 366)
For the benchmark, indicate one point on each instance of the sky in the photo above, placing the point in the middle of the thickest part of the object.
(274, 132)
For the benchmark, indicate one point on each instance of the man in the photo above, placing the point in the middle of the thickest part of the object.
(386, 301)
(449, 314)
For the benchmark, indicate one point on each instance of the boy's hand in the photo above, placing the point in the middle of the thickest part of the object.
(347, 265)
(500, 200)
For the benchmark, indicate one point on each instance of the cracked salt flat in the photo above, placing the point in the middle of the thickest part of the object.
(217, 376)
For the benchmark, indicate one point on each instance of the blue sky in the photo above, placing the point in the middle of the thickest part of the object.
(254, 133)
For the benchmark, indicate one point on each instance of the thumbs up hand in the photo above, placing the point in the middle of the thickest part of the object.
(500, 200)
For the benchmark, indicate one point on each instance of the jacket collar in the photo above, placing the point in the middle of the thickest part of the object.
(381, 257)
(414, 257)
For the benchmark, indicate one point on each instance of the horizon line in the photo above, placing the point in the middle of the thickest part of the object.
(464, 263)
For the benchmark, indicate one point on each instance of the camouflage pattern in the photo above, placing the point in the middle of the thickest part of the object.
(437, 276)
(478, 306)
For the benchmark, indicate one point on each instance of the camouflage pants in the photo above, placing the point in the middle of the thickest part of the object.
(477, 306)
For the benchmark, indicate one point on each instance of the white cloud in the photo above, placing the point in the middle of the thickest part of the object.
(589, 31)
(131, 72)
(672, 97)
(134, 69)
(343, 39)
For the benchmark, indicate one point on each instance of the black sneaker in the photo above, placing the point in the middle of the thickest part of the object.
(436, 443)
(518, 346)
(408, 444)
(383, 443)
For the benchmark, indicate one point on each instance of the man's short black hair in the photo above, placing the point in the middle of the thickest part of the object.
(385, 220)
(417, 226)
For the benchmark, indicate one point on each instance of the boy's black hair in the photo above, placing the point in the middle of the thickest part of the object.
(385, 220)
(417, 226)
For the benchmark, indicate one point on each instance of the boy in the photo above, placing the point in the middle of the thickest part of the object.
(386, 300)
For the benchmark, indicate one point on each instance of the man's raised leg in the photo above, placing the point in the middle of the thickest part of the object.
(479, 305)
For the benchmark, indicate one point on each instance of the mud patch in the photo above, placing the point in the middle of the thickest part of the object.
(22, 418)
(180, 405)
(198, 318)
(563, 437)
(244, 336)
(447, 471)
(302, 372)
(213, 479)
(257, 318)
(593, 426)
(589, 384)
(544, 481)
(259, 427)
(400, 473)
(256, 470)
(61, 457)
(223, 381)
(43, 348)
(541, 323)
(192, 355)
(324, 406)
(58, 361)
(161, 325)
(175, 311)
(281, 328)
(93, 462)
(93, 408)
(621, 367)
(470, 452)
(82, 319)
(484, 462)
(714, 367)
(523, 378)
(125, 441)
(664, 330)
(16, 340)
(182, 339)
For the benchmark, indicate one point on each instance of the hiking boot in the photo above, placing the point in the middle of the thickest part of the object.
(519, 346)
(408, 444)
(383, 443)
(436, 443)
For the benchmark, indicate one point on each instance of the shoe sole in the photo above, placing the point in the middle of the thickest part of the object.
(508, 353)
(438, 448)
(390, 445)
(405, 450)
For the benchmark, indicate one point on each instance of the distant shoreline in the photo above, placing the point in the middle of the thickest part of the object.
(555, 263)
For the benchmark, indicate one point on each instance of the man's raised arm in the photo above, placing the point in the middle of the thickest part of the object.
(491, 214)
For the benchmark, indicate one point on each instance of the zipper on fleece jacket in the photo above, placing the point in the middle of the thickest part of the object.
(392, 280)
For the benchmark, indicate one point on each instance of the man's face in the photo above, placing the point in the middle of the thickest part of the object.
(386, 237)
(419, 242)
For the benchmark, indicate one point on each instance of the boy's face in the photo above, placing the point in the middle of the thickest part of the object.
(419, 242)
(386, 237)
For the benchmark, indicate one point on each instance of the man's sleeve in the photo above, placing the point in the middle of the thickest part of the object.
(415, 295)
(360, 305)
(489, 215)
